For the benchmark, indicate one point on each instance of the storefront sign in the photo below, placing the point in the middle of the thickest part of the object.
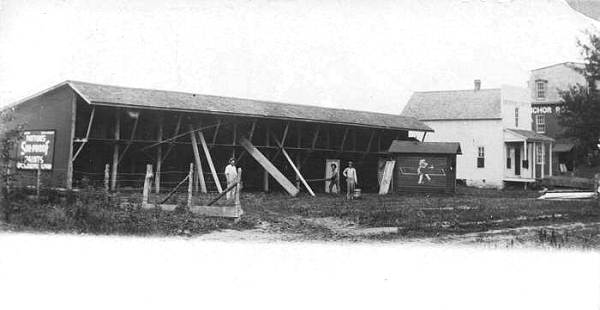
(547, 109)
(36, 148)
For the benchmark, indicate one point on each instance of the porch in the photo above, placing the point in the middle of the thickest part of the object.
(528, 156)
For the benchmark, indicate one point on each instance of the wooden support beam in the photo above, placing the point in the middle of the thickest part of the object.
(87, 133)
(285, 154)
(214, 139)
(249, 138)
(106, 177)
(369, 145)
(115, 164)
(172, 143)
(71, 138)
(190, 183)
(315, 137)
(235, 127)
(168, 140)
(131, 136)
(299, 136)
(424, 134)
(158, 156)
(354, 140)
(263, 161)
(210, 161)
(197, 160)
(344, 139)
(283, 138)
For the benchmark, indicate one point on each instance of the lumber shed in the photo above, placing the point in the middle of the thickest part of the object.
(107, 135)
(424, 166)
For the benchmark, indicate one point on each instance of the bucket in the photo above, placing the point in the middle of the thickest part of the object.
(357, 193)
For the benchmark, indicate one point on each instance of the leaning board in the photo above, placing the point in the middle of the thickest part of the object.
(388, 172)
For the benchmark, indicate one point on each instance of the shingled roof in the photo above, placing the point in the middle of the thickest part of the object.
(170, 100)
(455, 104)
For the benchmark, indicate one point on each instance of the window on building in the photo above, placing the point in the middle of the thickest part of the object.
(540, 123)
(517, 117)
(508, 159)
(480, 157)
(539, 156)
(541, 89)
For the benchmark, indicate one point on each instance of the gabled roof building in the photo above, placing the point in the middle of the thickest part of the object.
(493, 127)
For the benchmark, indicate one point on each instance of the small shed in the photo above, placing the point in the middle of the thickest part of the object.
(424, 166)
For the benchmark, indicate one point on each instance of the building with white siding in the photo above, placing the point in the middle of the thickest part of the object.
(493, 127)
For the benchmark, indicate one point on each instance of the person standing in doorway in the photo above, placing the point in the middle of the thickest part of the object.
(333, 180)
(231, 176)
(351, 180)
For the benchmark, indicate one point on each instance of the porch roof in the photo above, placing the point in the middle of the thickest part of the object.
(511, 134)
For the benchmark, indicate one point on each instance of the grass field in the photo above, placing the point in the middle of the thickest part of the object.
(506, 218)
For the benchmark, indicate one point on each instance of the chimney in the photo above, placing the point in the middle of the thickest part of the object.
(477, 85)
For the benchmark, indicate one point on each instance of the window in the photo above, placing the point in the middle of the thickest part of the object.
(517, 117)
(541, 89)
(539, 156)
(508, 159)
(480, 157)
(540, 123)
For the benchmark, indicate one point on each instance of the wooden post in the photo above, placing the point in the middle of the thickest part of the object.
(526, 157)
(210, 161)
(147, 184)
(265, 172)
(197, 159)
(158, 156)
(298, 165)
(190, 184)
(238, 188)
(214, 140)
(106, 177)
(71, 138)
(115, 165)
(234, 139)
(315, 137)
(38, 182)
(344, 139)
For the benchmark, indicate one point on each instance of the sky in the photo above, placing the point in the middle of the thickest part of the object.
(365, 55)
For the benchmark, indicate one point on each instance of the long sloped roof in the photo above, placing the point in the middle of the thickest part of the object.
(455, 104)
(160, 99)
(416, 147)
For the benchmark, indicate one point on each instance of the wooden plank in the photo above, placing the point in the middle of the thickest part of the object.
(71, 138)
(115, 165)
(388, 173)
(285, 154)
(210, 162)
(147, 185)
(87, 133)
(190, 184)
(344, 139)
(197, 159)
(283, 138)
(172, 143)
(158, 156)
(273, 171)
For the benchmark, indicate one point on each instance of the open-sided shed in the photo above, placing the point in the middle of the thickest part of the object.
(424, 166)
(102, 130)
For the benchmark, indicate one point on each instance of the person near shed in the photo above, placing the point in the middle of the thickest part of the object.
(421, 170)
(231, 176)
(333, 180)
(351, 180)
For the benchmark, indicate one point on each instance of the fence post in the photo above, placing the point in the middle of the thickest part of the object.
(106, 177)
(238, 188)
(147, 185)
(38, 182)
(190, 185)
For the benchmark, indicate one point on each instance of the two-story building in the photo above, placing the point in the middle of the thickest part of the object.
(493, 127)
(546, 104)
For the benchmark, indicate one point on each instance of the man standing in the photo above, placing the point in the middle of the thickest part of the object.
(351, 180)
(333, 180)
(231, 176)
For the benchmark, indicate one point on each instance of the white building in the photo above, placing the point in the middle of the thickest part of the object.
(493, 127)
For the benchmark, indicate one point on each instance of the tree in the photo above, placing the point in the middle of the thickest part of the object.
(581, 112)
